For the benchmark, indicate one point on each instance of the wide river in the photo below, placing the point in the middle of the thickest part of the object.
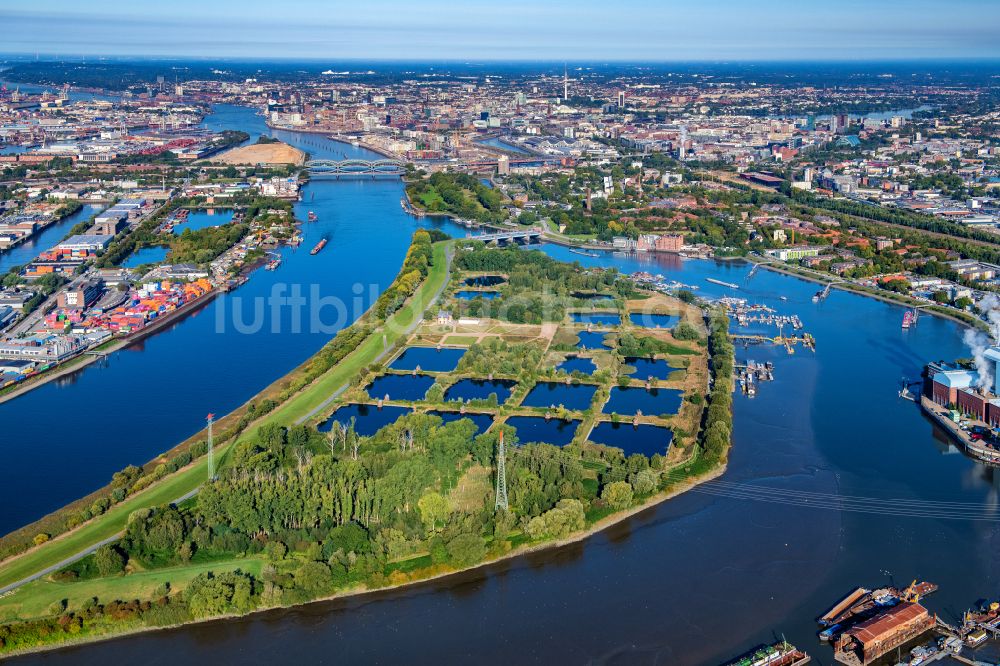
(695, 580)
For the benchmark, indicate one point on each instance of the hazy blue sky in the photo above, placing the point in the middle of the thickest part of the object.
(507, 29)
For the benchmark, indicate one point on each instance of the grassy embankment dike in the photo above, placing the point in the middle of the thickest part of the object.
(190, 478)
(303, 407)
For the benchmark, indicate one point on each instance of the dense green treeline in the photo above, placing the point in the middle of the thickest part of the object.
(457, 194)
(201, 246)
(537, 288)
(134, 479)
(718, 426)
(296, 513)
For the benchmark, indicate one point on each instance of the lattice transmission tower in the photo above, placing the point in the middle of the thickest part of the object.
(501, 502)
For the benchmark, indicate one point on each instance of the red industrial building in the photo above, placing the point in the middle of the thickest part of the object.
(869, 640)
(957, 389)
(670, 243)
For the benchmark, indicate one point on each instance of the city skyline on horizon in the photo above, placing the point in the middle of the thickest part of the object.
(393, 30)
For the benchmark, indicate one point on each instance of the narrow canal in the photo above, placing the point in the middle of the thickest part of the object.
(46, 238)
(695, 580)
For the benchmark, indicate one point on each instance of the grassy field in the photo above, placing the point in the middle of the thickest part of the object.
(34, 599)
(300, 406)
(431, 199)
(461, 339)
(105, 526)
(191, 477)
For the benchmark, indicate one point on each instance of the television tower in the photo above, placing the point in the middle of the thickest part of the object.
(565, 83)
(501, 502)
(211, 454)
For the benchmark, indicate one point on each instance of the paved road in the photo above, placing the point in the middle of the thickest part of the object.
(79, 556)
(90, 549)
(449, 255)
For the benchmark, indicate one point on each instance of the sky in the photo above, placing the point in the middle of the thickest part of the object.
(553, 30)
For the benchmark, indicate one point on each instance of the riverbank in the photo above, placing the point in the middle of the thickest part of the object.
(270, 154)
(84, 359)
(292, 410)
(375, 593)
(689, 471)
(334, 137)
(895, 299)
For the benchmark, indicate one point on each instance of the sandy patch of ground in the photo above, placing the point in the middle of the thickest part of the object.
(262, 153)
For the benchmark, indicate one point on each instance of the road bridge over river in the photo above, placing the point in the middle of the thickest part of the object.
(504, 237)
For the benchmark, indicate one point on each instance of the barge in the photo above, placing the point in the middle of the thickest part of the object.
(319, 246)
(779, 654)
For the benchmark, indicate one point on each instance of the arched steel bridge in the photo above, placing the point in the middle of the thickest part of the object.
(356, 167)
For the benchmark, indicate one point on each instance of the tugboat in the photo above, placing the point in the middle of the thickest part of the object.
(319, 246)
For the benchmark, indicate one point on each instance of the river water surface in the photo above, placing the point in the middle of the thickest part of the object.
(695, 580)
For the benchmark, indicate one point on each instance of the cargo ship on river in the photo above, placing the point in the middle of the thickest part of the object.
(319, 246)
(779, 654)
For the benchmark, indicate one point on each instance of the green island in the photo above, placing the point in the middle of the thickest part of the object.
(305, 504)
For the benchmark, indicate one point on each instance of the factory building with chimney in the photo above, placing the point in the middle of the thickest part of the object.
(967, 393)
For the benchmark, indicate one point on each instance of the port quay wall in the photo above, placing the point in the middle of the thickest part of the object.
(981, 453)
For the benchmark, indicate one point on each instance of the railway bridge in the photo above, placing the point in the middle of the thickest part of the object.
(356, 167)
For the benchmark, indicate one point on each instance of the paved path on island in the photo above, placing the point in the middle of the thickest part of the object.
(449, 255)
(417, 320)
(78, 556)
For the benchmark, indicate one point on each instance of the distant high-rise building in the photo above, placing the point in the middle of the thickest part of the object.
(503, 165)
(621, 99)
